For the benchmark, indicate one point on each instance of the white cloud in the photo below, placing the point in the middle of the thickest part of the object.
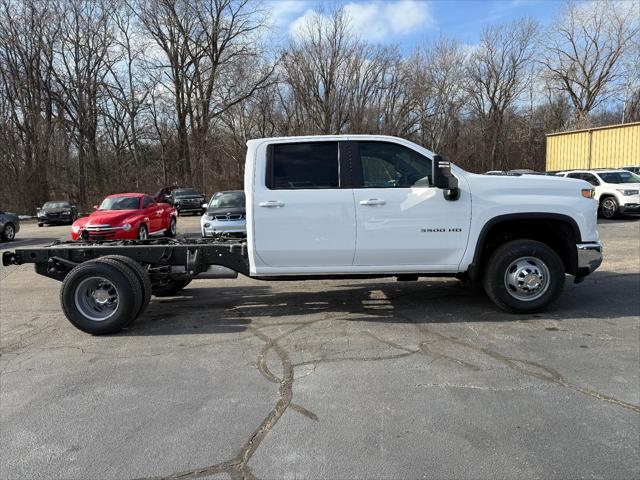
(377, 21)
(407, 16)
(281, 12)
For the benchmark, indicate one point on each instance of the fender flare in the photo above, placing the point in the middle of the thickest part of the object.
(475, 263)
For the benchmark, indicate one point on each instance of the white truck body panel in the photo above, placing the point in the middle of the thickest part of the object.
(411, 230)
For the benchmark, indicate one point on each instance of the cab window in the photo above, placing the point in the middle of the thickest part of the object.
(389, 165)
(146, 201)
(308, 165)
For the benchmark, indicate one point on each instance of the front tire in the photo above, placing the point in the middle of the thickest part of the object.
(9, 232)
(143, 233)
(609, 208)
(173, 228)
(524, 276)
(101, 297)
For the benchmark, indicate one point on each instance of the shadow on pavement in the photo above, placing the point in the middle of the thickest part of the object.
(603, 295)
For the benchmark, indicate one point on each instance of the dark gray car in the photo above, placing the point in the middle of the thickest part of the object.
(188, 200)
(9, 226)
(58, 212)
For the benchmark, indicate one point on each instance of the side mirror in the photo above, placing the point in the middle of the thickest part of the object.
(95, 207)
(444, 179)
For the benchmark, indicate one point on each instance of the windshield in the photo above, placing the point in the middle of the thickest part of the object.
(120, 203)
(619, 177)
(56, 205)
(186, 192)
(227, 200)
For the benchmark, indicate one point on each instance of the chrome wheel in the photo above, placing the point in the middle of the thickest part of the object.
(527, 278)
(609, 208)
(96, 298)
(9, 232)
(173, 227)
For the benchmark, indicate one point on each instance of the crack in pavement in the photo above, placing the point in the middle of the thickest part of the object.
(536, 370)
(238, 467)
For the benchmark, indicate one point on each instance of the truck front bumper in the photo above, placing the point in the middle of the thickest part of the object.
(589, 258)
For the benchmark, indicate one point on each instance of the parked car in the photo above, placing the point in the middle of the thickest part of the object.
(617, 191)
(633, 169)
(126, 216)
(226, 213)
(9, 226)
(57, 213)
(164, 194)
(188, 200)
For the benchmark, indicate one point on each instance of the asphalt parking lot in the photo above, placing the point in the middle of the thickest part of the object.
(326, 379)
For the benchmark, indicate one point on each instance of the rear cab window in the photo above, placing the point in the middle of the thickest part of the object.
(305, 165)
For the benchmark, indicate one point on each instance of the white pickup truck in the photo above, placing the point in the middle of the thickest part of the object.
(350, 206)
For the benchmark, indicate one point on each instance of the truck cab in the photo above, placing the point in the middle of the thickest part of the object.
(368, 205)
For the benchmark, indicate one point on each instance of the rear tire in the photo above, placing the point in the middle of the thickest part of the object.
(169, 288)
(140, 273)
(524, 276)
(609, 208)
(101, 297)
(173, 228)
(40, 224)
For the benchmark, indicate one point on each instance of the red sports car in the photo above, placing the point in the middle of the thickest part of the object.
(126, 216)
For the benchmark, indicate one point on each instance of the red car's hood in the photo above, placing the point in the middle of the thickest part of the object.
(109, 217)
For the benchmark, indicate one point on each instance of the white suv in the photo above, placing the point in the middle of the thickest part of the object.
(616, 190)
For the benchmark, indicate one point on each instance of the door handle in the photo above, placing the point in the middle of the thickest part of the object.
(271, 203)
(372, 202)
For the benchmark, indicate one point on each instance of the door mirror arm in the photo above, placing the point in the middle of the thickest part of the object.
(444, 179)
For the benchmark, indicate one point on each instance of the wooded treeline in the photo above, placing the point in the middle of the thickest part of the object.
(100, 96)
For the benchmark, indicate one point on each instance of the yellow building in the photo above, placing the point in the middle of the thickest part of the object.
(613, 146)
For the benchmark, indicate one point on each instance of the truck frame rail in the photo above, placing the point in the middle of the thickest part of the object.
(189, 256)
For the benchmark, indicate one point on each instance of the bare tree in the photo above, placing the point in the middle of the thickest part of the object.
(208, 45)
(583, 49)
(82, 63)
(441, 88)
(317, 70)
(498, 72)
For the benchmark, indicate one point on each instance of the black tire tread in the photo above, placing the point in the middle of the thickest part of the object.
(134, 287)
(525, 246)
(615, 200)
(140, 273)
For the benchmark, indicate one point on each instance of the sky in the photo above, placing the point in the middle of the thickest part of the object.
(408, 23)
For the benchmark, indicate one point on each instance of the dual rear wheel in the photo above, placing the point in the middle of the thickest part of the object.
(105, 295)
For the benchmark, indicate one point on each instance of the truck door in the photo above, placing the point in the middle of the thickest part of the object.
(302, 209)
(401, 219)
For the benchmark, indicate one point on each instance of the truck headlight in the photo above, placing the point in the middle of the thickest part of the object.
(126, 227)
(209, 217)
(75, 228)
(588, 192)
(627, 192)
